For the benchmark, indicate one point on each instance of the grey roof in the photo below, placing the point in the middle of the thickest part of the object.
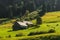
(24, 23)
(28, 22)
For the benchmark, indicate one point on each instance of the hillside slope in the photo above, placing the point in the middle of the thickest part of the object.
(51, 20)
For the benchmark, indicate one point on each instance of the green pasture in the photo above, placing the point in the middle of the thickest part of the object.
(50, 20)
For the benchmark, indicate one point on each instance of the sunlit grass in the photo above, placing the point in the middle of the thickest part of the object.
(5, 27)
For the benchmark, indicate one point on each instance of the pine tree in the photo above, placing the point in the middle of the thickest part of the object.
(41, 13)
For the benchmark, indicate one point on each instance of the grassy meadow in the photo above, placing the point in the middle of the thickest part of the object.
(51, 20)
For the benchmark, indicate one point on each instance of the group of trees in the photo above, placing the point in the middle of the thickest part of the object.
(10, 8)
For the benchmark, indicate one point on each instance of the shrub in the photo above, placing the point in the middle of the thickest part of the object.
(0, 37)
(50, 37)
(51, 31)
(18, 35)
(36, 33)
(10, 31)
(57, 25)
(38, 20)
(48, 25)
(47, 37)
(9, 36)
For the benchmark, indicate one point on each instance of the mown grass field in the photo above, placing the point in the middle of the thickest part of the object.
(51, 20)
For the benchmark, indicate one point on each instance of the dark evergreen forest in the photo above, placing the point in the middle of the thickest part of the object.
(11, 8)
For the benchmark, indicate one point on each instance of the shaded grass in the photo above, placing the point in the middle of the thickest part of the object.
(52, 36)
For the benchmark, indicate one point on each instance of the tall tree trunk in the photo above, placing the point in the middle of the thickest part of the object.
(55, 3)
(11, 12)
(34, 4)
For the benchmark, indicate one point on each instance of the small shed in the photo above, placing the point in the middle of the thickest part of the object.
(18, 25)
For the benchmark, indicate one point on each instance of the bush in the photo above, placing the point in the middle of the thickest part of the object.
(36, 33)
(50, 37)
(9, 36)
(38, 20)
(57, 25)
(47, 37)
(18, 35)
(48, 25)
(0, 37)
(51, 31)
